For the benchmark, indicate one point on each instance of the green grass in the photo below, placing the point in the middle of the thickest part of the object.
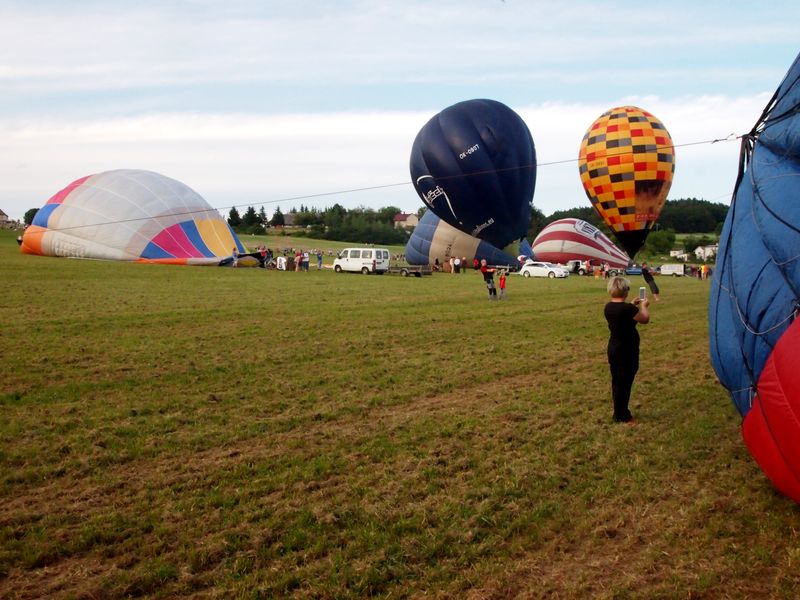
(179, 431)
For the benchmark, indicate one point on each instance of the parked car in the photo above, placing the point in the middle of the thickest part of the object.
(362, 260)
(633, 270)
(578, 267)
(533, 268)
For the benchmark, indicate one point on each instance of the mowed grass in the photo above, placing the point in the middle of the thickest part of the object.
(216, 433)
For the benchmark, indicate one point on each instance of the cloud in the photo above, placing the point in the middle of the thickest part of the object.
(250, 159)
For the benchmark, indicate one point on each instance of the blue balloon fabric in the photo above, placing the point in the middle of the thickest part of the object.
(474, 166)
(755, 298)
(756, 284)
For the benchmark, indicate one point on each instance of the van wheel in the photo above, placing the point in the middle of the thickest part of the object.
(526, 274)
(581, 271)
(404, 272)
(551, 275)
(365, 270)
(337, 268)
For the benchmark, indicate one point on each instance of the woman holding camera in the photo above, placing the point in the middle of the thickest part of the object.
(623, 343)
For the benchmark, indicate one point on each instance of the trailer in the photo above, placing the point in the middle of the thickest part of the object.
(676, 270)
(409, 270)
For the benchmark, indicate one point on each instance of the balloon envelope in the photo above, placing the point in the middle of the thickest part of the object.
(433, 238)
(626, 163)
(474, 166)
(130, 215)
(754, 331)
(568, 239)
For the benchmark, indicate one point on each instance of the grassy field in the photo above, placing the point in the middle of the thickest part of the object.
(217, 433)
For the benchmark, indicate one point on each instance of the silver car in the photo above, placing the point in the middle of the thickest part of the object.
(533, 268)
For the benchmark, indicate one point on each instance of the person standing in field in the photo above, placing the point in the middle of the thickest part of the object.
(488, 278)
(623, 343)
(651, 282)
(501, 282)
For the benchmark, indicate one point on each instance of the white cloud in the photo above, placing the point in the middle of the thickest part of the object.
(253, 159)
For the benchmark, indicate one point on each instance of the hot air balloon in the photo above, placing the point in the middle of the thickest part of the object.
(130, 215)
(755, 297)
(433, 238)
(474, 166)
(626, 164)
(569, 239)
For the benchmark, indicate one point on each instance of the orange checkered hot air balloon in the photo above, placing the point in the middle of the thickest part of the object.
(626, 164)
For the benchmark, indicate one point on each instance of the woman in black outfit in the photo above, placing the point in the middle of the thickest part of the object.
(623, 343)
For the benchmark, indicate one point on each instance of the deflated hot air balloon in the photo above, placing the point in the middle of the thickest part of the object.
(433, 238)
(626, 163)
(754, 328)
(130, 215)
(474, 166)
(568, 239)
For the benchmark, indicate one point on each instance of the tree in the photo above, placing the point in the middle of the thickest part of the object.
(262, 216)
(690, 215)
(250, 217)
(234, 220)
(585, 213)
(536, 224)
(660, 242)
(387, 214)
(30, 214)
(277, 218)
(691, 242)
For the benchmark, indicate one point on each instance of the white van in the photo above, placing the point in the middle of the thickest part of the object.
(674, 270)
(362, 260)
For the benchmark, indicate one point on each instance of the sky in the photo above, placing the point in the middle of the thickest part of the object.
(313, 103)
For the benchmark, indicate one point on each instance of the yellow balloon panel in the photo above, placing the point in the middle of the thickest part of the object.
(626, 164)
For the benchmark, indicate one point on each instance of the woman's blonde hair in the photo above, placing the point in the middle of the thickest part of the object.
(619, 287)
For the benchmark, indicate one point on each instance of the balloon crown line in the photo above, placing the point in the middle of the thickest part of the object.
(729, 138)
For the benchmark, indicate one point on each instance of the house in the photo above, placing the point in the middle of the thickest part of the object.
(406, 220)
(6, 223)
(288, 219)
(706, 252)
(679, 255)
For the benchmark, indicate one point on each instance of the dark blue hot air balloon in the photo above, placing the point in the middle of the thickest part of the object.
(433, 238)
(474, 166)
(755, 298)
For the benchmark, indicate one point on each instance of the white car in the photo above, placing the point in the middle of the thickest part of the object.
(532, 268)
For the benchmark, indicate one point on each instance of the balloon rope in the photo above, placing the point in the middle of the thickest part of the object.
(730, 137)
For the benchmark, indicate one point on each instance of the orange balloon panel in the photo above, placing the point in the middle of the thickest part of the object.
(626, 165)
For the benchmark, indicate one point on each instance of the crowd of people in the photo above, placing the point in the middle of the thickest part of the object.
(287, 259)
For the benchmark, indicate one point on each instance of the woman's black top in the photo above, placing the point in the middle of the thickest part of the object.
(624, 337)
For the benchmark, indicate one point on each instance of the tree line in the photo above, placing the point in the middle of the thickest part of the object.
(686, 215)
(376, 226)
(358, 225)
